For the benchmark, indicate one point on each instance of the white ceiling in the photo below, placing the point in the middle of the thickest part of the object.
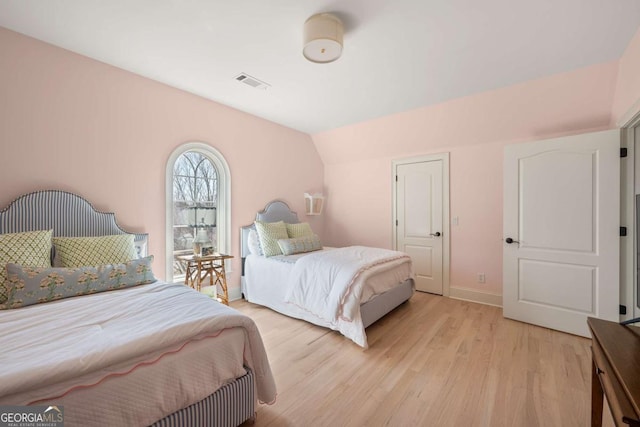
(398, 54)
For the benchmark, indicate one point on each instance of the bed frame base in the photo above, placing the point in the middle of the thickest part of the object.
(230, 406)
(373, 310)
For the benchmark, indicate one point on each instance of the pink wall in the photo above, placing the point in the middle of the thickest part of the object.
(69, 122)
(627, 99)
(474, 130)
(106, 134)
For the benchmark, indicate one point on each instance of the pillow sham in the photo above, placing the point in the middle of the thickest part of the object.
(93, 251)
(299, 230)
(139, 247)
(299, 245)
(253, 243)
(32, 248)
(269, 234)
(34, 285)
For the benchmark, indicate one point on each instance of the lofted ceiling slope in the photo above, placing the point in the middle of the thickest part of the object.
(398, 54)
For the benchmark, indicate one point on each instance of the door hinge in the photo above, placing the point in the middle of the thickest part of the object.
(623, 231)
(623, 151)
(396, 178)
(396, 222)
(623, 309)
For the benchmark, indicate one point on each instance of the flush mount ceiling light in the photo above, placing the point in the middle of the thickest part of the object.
(323, 38)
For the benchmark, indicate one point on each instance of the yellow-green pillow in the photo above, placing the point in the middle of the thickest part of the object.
(269, 234)
(301, 229)
(31, 249)
(94, 251)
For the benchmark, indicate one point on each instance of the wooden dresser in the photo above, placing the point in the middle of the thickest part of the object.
(616, 372)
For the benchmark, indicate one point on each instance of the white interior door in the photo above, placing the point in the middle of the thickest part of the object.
(419, 215)
(561, 230)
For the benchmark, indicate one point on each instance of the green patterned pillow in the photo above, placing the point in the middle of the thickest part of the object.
(269, 234)
(299, 230)
(34, 285)
(32, 248)
(92, 251)
(298, 245)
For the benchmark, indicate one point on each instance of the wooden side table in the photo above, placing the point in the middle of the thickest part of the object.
(212, 266)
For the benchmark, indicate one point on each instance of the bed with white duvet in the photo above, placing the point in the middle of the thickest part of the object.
(344, 289)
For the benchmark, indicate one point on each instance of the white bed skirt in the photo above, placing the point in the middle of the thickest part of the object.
(265, 283)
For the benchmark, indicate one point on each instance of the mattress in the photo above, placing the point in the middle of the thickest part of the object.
(128, 357)
(266, 282)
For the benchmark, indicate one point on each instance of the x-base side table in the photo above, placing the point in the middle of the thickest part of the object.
(211, 266)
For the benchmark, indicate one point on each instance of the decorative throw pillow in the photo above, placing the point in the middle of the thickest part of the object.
(269, 234)
(299, 230)
(32, 248)
(300, 244)
(253, 242)
(34, 285)
(140, 247)
(92, 251)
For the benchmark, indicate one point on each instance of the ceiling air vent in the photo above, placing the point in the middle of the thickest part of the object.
(252, 81)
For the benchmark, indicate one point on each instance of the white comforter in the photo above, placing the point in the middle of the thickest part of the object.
(329, 284)
(55, 342)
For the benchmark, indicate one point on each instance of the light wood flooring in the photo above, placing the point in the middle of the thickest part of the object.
(433, 361)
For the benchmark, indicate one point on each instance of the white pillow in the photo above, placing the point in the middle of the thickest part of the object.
(253, 242)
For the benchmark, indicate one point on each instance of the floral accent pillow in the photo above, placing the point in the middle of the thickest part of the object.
(34, 285)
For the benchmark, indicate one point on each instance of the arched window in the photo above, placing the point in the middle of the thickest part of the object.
(198, 187)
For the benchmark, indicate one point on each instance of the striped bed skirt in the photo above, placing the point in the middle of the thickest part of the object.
(229, 406)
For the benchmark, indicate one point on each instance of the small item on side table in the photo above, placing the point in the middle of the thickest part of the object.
(207, 250)
(211, 266)
(201, 241)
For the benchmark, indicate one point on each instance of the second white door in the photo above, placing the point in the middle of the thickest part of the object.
(561, 230)
(420, 225)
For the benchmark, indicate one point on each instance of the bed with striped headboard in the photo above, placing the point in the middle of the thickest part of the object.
(154, 354)
(67, 214)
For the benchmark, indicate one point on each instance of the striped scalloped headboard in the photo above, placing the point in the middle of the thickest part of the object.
(67, 214)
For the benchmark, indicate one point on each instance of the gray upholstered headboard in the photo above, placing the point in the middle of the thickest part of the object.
(67, 214)
(275, 211)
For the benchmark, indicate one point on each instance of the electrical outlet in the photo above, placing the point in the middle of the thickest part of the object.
(481, 278)
(455, 220)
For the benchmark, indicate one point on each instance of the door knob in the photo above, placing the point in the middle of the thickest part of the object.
(437, 234)
(509, 240)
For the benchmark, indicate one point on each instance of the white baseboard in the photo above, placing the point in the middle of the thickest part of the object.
(475, 296)
(235, 294)
(457, 293)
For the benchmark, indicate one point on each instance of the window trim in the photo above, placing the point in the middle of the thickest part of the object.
(223, 202)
